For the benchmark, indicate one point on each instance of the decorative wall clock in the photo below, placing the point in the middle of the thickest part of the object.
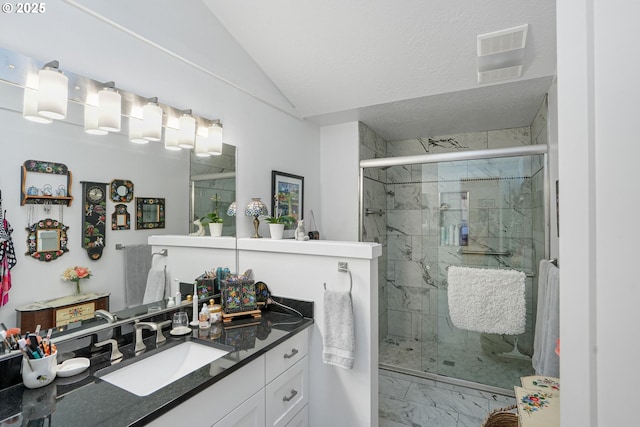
(94, 206)
(121, 190)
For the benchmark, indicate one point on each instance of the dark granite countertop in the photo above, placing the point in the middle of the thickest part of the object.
(85, 399)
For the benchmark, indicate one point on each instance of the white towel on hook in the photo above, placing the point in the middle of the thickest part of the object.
(544, 360)
(156, 281)
(487, 300)
(338, 338)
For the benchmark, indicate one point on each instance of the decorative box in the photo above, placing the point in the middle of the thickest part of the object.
(238, 295)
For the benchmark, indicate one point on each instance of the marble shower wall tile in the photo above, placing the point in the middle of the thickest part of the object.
(503, 138)
(372, 141)
(404, 222)
(408, 147)
(539, 124)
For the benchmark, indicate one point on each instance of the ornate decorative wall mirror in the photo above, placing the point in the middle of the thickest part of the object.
(47, 240)
(149, 213)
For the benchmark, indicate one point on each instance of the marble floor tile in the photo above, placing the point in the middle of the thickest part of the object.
(448, 400)
(393, 386)
(414, 414)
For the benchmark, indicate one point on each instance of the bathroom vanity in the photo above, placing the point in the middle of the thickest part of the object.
(263, 378)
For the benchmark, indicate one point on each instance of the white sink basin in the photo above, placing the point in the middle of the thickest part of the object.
(154, 372)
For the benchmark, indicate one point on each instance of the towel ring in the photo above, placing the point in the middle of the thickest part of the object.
(343, 267)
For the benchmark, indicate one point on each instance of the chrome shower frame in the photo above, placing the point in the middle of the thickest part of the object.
(525, 150)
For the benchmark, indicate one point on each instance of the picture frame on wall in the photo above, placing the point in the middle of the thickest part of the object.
(288, 191)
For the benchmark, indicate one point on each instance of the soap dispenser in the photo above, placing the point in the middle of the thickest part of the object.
(204, 317)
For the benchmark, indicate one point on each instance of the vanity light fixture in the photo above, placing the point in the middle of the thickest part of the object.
(109, 108)
(135, 131)
(53, 92)
(255, 208)
(187, 129)
(152, 120)
(171, 139)
(91, 120)
(202, 142)
(215, 139)
(30, 107)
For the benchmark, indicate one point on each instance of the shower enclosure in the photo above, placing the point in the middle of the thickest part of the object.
(416, 206)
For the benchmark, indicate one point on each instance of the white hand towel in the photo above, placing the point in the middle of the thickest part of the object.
(544, 360)
(156, 281)
(339, 336)
(487, 300)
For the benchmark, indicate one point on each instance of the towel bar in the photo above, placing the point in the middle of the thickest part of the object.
(344, 267)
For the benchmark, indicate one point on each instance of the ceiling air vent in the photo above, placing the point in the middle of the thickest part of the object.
(503, 40)
(501, 54)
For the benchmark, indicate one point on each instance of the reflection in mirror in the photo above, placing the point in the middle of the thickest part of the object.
(47, 239)
(149, 213)
(213, 181)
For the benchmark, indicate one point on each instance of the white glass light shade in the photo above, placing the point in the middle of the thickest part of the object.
(91, 121)
(152, 122)
(135, 131)
(171, 139)
(53, 91)
(109, 110)
(202, 146)
(30, 107)
(215, 140)
(187, 128)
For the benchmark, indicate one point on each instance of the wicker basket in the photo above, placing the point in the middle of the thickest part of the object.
(502, 417)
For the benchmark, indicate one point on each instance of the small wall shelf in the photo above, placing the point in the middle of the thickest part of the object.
(60, 189)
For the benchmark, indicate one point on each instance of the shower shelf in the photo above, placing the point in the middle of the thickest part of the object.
(472, 252)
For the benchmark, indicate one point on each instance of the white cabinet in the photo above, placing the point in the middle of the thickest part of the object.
(286, 354)
(249, 414)
(287, 394)
(218, 399)
(272, 390)
(301, 419)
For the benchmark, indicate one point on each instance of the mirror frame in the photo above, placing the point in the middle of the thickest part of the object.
(32, 239)
(141, 202)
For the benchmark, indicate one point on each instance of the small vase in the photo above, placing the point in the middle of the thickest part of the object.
(77, 287)
(276, 231)
(215, 229)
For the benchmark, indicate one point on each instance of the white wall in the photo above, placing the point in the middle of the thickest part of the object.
(267, 139)
(339, 160)
(597, 111)
(337, 397)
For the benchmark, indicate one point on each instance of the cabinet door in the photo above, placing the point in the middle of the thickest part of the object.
(248, 414)
(287, 354)
(301, 419)
(287, 394)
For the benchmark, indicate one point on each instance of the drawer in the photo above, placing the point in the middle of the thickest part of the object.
(287, 394)
(248, 414)
(286, 354)
(301, 419)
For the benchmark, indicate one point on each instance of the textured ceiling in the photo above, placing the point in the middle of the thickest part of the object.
(402, 67)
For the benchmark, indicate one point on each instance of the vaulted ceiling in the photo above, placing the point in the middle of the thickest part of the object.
(406, 68)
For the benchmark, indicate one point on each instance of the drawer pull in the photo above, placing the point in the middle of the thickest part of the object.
(293, 394)
(294, 351)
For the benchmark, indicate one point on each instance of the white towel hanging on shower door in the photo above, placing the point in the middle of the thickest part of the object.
(487, 300)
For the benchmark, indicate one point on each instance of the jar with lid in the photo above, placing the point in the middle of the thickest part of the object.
(215, 312)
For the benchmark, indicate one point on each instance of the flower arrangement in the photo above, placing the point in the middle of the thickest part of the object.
(75, 274)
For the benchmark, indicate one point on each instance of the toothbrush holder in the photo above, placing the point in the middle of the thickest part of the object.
(39, 372)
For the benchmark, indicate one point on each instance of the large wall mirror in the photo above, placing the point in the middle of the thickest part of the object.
(201, 178)
(213, 188)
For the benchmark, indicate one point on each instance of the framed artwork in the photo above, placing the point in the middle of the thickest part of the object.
(288, 199)
(149, 213)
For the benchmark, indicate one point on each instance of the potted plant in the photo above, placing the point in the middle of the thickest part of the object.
(276, 226)
(215, 222)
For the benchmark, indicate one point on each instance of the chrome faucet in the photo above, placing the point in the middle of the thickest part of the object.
(140, 347)
(104, 314)
(115, 353)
